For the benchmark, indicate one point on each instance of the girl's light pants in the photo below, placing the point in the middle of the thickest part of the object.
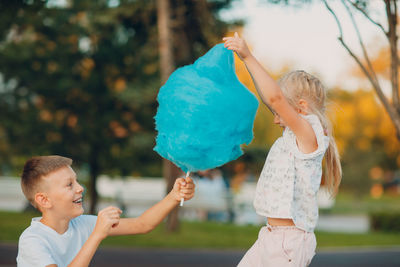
(281, 246)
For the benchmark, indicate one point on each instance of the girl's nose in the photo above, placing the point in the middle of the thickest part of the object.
(276, 119)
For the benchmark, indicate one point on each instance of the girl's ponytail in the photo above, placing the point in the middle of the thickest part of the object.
(333, 174)
(333, 169)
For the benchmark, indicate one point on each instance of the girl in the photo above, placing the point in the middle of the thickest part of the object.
(289, 182)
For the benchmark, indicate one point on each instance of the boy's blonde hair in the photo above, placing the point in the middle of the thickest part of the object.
(37, 167)
(298, 85)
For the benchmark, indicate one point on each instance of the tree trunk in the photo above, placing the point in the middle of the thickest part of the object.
(392, 35)
(171, 172)
(167, 66)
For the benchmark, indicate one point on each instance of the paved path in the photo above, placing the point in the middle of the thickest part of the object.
(119, 257)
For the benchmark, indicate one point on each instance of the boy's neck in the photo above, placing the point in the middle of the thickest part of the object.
(60, 225)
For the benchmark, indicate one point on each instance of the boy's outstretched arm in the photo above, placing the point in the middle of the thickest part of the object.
(154, 216)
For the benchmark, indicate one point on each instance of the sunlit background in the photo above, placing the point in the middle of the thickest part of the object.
(80, 79)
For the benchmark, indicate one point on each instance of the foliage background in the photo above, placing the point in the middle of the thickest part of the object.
(81, 80)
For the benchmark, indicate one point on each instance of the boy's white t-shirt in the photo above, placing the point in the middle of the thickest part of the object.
(40, 245)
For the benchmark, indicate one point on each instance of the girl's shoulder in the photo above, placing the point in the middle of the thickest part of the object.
(322, 140)
(315, 123)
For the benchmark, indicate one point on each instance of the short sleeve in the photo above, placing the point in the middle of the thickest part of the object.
(323, 141)
(32, 251)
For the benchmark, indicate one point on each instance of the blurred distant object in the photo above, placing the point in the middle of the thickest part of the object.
(343, 223)
(366, 139)
(324, 199)
(212, 196)
(11, 196)
(376, 191)
(385, 221)
(240, 175)
(376, 173)
(391, 183)
(384, 182)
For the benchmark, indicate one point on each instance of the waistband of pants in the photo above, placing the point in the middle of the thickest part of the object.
(282, 228)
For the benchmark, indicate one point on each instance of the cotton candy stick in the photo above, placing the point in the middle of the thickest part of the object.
(182, 199)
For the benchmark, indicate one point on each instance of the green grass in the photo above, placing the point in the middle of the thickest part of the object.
(372, 239)
(192, 235)
(202, 235)
(12, 224)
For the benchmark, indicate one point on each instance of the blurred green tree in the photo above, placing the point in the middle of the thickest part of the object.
(81, 79)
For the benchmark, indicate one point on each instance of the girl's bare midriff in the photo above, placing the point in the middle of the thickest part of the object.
(280, 222)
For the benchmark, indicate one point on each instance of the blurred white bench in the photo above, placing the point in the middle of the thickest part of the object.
(139, 194)
(11, 196)
(148, 191)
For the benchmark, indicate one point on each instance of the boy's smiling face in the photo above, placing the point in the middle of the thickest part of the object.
(62, 194)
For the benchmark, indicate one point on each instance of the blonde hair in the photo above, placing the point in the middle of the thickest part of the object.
(298, 85)
(37, 167)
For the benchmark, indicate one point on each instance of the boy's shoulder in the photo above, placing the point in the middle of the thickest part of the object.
(42, 245)
(34, 229)
(41, 231)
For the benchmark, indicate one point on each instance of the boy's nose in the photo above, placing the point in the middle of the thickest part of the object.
(80, 188)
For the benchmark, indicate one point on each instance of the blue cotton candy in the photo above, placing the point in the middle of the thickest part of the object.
(204, 113)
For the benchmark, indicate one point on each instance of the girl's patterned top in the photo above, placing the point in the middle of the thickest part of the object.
(290, 179)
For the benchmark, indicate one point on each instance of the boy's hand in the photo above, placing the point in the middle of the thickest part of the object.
(106, 219)
(238, 45)
(183, 188)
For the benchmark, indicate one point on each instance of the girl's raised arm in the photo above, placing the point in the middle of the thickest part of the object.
(272, 96)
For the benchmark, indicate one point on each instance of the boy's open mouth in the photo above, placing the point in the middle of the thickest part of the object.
(77, 201)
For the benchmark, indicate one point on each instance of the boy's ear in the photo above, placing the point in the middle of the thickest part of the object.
(42, 201)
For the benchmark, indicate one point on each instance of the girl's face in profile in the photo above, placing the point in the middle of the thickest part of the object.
(278, 120)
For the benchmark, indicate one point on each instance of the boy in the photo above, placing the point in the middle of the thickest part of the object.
(65, 237)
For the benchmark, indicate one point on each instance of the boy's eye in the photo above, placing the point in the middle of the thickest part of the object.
(70, 184)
